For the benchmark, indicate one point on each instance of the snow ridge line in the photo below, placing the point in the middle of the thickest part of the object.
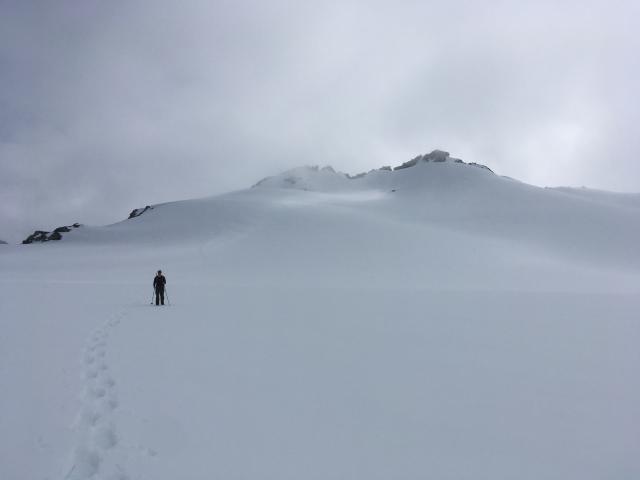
(96, 435)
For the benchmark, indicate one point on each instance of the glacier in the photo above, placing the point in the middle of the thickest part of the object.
(435, 321)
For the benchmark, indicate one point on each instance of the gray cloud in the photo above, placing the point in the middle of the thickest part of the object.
(106, 106)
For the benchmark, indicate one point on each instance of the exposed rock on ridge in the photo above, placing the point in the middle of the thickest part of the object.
(41, 236)
(139, 211)
(434, 156)
(300, 177)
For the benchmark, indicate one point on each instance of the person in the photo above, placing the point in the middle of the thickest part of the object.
(158, 285)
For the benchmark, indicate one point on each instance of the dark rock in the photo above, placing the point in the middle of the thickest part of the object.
(386, 168)
(44, 236)
(479, 165)
(37, 236)
(2, 242)
(436, 156)
(410, 163)
(136, 212)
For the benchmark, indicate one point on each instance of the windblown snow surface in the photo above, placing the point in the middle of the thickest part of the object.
(435, 322)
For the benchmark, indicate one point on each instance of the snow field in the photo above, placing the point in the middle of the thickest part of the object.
(463, 326)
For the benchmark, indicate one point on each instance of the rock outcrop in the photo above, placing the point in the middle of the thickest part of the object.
(40, 236)
(37, 236)
(139, 211)
(438, 156)
(314, 177)
(479, 165)
(434, 156)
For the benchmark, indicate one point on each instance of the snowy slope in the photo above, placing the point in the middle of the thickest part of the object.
(437, 321)
(469, 207)
(627, 200)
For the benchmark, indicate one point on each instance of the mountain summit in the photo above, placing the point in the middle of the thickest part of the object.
(327, 179)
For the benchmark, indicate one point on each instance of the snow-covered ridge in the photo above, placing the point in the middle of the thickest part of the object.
(433, 192)
(328, 179)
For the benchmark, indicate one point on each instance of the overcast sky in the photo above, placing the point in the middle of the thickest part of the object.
(110, 105)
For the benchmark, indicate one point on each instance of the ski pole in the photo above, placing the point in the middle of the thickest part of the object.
(166, 292)
(152, 294)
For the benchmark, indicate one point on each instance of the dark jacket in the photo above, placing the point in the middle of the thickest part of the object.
(159, 282)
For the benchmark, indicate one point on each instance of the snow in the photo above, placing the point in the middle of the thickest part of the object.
(437, 321)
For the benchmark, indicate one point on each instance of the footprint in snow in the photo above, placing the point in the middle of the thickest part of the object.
(97, 438)
(104, 437)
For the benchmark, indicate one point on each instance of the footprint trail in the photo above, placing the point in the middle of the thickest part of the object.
(97, 453)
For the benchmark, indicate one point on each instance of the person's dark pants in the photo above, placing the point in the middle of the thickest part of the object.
(159, 296)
